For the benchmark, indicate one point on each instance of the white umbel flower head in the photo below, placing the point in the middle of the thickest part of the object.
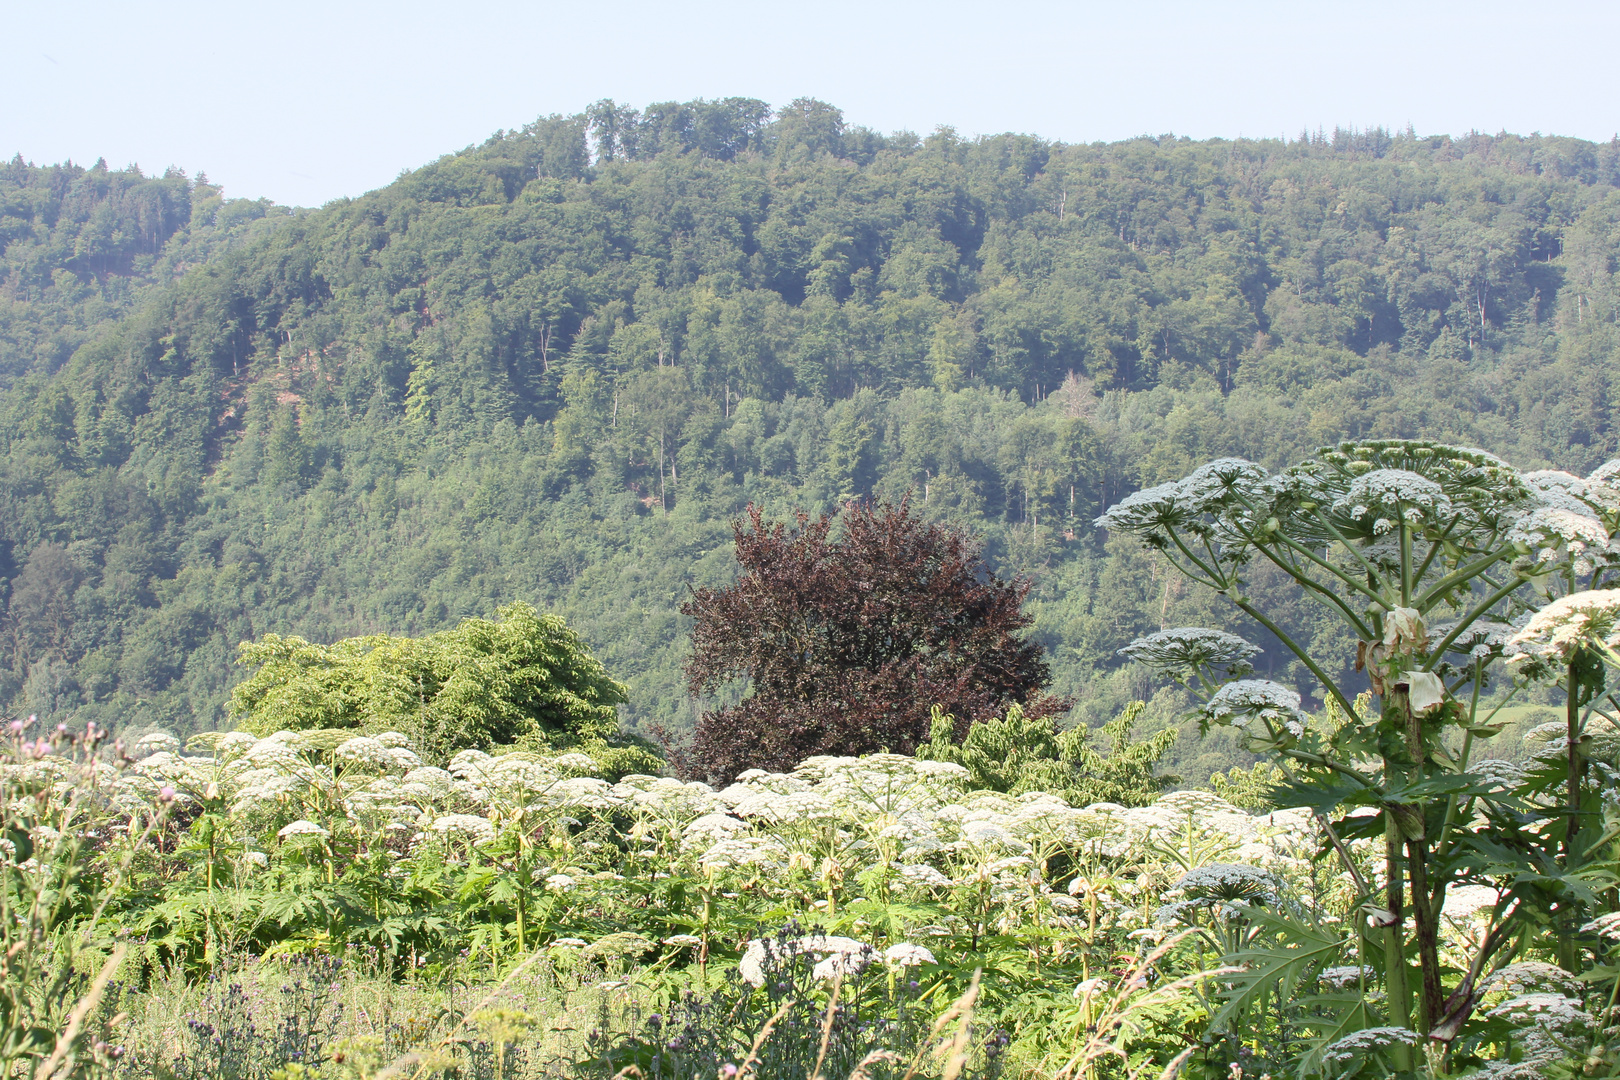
(1148, 510)
(364, 750)
(480, 829)
(1534, 977)
(1552, 1012)
(1208, 486)
(1570, 623)
(1564, 491)
(158, 742)
(905, 954)
(1358, 1044)
(1390, 495)
(1553, 532)
(1239, 703)
(1209, 489)
(1344, 976)
(1188, 648)
(302, 828)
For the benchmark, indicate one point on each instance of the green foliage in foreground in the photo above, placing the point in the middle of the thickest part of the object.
(521, 678)
(1022, 753)
(1445, 565)
(279, 901)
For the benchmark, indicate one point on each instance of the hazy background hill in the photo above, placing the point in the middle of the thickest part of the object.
(553, 366)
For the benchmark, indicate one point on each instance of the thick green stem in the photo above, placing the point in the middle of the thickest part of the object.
(1569, 956)
(1425, 917)
(1496, 597)
(1395, 980)
(1373, 576)
(1460, 575)
(1311, 665)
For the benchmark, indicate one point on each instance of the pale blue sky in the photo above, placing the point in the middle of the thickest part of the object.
(304, 102)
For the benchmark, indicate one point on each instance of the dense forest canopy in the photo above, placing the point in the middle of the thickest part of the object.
(553, 367)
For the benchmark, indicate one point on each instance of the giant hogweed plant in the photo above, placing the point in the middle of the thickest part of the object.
(1427, 553)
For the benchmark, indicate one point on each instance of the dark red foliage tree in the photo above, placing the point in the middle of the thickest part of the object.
(849, 640)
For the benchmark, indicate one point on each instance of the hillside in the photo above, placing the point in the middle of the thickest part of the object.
(553, 366)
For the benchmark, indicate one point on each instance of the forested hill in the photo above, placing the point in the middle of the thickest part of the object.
(553, 366)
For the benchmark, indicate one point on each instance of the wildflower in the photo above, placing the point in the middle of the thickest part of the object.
(158, 742)
(1087, 987)
(1498, 774)
(751, 968)
(715, 827)
(585, 792)
(905, 954)
(1207, 487)
(481, 829)
(402, 757)
(1222, 888)
(844, 956)
(748, 851)
(559, 883)
(363, 750)
(1343, 977)
(1391, 494)
(1187, 649)
(1552, 531)
(1605, 926)
(1358, 1043)
(923, 874)
(303, 828)
(1570, 623)
(1535, 976)
(624, 943)
(1553, 1012)
(1238, 703)
(842, 965)
(426, 782)
(469, 764)
(1149, 510)
(683, 940)
(1481, 640)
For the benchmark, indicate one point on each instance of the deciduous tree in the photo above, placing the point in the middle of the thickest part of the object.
(849, 640)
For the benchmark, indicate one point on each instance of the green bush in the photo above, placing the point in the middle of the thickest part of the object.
(1023, 753)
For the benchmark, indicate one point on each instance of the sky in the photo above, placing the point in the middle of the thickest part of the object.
(306, 102)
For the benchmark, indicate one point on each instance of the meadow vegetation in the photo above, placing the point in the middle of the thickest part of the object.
(554, 755)
(1384, 896)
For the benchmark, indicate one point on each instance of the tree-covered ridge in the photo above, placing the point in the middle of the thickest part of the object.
(77, 245)
(553, 367)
